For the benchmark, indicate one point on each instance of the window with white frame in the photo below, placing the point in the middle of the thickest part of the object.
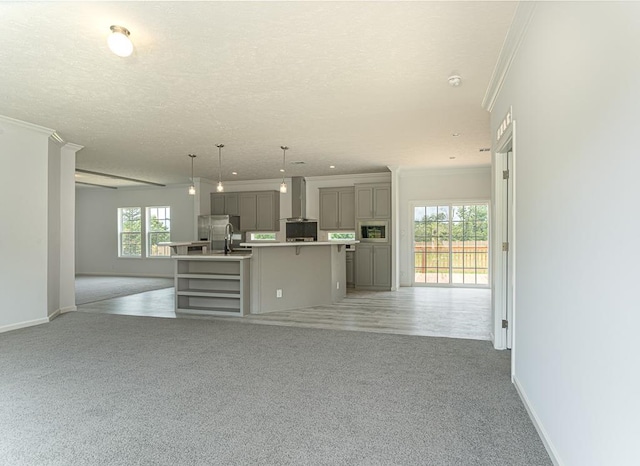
(341, 235)
(259, 236)
(130, 232)
(158, 231)
(451, 244)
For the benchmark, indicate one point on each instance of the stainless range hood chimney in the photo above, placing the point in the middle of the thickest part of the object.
(298, 200)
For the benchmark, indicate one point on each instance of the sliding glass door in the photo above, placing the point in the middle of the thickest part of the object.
(451, 244)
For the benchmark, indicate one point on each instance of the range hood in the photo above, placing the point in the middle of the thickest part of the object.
(298, 200)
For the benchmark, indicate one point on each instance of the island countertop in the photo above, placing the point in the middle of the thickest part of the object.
(297, 243)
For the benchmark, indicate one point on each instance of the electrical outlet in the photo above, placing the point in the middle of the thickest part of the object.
(278, 293)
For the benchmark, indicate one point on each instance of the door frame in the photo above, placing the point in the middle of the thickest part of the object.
(412, 259)
(504, 308)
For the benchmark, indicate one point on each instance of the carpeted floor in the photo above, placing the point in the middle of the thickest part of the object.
(92, 288)
(91, 389)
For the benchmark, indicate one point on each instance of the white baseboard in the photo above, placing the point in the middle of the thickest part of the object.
(143, 275)
(64, 310)
(553, 454)
(55, 314)
(28, 323)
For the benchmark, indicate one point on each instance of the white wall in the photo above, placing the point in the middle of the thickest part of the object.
(24, 228)
(574, 90)
(461, 184)
(97, 228)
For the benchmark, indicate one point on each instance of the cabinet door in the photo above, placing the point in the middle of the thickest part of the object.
(363, 265)
(217, 204)
(382, 202)
(347, 210)
(381, 265)
(248, 211)
(328, 209)
(264, 217)
(231, 204)
(364, 203)
(350, 271)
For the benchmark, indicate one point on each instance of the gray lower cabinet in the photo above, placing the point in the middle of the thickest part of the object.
(259, 211)
(373, 266)
(337, 208)
(351, 278)
(224, 204)
(373, 200)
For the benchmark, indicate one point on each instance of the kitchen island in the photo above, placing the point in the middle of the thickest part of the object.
(212, 284)
(268, 277)
(295, 275)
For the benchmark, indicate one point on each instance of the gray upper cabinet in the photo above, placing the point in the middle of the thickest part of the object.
(337, 208)
(224, 204)
(373, 200)
(259, 211)
(268, 211)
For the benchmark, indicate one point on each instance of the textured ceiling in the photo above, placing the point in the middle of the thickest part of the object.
(358, 85)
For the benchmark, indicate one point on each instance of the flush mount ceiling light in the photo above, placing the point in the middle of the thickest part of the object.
(220, 188)
(283, 185)
(119, 41)
(455, 80)
(192, 188)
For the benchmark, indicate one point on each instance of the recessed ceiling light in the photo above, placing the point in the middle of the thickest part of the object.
(455, 80)
(455, 135)
(332, 166)
(119, 41)
(234, 173)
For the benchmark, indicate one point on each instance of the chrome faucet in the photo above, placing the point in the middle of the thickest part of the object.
(228, 238)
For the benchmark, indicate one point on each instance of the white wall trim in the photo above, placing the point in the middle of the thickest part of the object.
(147, 275)
(55, 314)
(64, 310)
(544, 436)
(29, 126)
(72, 146)
(408, 172)
(512, 42)
(384, 176)
(19, 325)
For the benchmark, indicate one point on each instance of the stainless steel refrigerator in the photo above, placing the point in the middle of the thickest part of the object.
(213, 228)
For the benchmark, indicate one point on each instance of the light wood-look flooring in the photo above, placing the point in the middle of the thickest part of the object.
(442, 312)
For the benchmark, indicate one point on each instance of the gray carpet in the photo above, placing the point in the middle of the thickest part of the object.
(91, 288)
(91, 389)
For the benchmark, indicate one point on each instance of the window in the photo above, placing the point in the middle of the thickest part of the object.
(129, 232)
(341, 235)
(158, 231)
(451, 244)
(263, 236)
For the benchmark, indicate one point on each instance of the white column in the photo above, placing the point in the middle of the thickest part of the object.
(67, 227)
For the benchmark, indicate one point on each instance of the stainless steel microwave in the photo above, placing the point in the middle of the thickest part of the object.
(373, 231)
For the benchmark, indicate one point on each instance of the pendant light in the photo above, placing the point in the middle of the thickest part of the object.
(192, 188)
(283, 185)
(220, 188)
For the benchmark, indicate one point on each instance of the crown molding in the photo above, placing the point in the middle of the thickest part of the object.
(384, 176)
(26, 125)
(73, 147)
(512, 42)
(412, 172)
